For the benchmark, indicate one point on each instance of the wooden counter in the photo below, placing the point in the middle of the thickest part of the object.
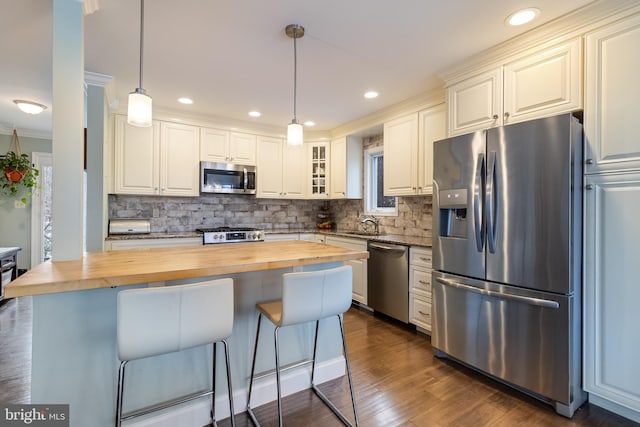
(118, 268)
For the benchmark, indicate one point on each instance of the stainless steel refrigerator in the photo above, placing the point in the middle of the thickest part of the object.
(507, 255)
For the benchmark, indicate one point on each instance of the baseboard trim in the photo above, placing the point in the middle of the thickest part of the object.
(614, 407)
(196, 413)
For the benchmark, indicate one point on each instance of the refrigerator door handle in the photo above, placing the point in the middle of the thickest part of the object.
(519, 298)
(478, 203)
(491, 203)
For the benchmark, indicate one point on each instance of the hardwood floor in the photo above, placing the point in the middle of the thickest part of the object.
(397, 379)
(399, 382)
(15, 350)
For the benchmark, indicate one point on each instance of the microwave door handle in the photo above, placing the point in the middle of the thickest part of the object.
(478, 203)
(491, 203)
(246, 179)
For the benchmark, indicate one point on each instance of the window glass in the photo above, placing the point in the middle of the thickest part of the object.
(376, 203)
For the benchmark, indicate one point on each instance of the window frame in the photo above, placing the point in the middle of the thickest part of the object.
(370, 185)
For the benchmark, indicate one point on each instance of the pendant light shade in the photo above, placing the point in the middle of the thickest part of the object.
(294, 133)
(140, 105)
(294, 130)
(139, 113)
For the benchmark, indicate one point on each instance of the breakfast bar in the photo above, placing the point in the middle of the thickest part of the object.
(74, 328)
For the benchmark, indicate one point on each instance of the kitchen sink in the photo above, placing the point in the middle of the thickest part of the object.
(364, 233)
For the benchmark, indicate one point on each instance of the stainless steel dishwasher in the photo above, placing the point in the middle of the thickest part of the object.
(388, 277)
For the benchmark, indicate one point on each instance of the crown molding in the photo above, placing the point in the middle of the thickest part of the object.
(377, 118)
(573, 24)
(108, 83)
(27, 133)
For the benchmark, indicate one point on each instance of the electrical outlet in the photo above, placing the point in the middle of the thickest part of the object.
(156, 212)
(18, 204)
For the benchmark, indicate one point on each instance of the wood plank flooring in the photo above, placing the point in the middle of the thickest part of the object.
(397, 379)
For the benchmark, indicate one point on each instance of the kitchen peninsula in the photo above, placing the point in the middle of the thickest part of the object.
(74, 327)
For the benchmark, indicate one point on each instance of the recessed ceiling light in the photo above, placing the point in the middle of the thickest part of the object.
(29, 107)
(255, 113)
(309, 123)
(523, 16)
(187, 101)
(371, 94)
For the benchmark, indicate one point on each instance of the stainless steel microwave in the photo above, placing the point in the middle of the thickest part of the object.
(227, 178)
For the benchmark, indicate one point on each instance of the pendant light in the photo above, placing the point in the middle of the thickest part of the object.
(139, 111)
(294, 130)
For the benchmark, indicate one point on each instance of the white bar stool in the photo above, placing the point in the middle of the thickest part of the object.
(155, 321)
(308, 296)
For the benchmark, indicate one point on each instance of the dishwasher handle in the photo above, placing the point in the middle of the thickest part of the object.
(387, 248)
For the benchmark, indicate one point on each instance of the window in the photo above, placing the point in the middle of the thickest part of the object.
(375, 202)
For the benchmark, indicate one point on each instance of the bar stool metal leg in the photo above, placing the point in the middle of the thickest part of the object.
(275, 335)
(253, 369)
(120, 392)
(213, 387)
(320, 394)
(226, 356)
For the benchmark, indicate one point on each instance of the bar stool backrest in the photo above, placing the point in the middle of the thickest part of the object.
(154, 321)
(315, 295)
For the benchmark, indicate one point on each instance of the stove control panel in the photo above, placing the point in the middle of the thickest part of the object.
(211, 237)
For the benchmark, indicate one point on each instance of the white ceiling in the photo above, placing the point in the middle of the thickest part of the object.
(232, 56)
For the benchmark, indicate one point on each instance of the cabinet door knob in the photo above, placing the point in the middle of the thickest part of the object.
(589, 186)
(495, 117)
(589, 161)
(506, 115)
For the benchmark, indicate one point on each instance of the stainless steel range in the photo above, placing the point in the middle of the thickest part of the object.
(230, 235)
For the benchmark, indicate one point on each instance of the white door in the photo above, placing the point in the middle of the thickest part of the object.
(41, 220)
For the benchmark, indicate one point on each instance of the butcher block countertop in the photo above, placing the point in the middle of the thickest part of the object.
(128, 267)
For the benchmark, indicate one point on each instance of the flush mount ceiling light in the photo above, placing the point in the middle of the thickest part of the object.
(371, 94)
(523, 16)
(255, 113)
(140, 105)
(29, 107)
(294, 130)
(309, 123)
(186, 101)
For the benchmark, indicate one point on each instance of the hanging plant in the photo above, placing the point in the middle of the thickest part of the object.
(18, 172)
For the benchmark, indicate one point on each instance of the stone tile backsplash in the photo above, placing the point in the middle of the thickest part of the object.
(178, 214)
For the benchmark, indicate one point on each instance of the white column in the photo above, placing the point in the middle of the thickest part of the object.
(68, 129)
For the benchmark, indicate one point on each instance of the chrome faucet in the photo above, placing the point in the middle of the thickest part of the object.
(373, 220)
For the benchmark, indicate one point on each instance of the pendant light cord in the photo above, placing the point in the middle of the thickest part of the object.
(141, 38)
(295, 73)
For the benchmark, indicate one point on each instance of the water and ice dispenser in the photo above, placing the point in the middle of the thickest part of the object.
(453, 213)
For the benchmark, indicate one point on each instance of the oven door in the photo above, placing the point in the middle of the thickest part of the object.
(226, 178)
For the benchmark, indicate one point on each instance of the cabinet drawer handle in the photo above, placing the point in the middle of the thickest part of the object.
(425, 259)
(422, 282)
(423, 313)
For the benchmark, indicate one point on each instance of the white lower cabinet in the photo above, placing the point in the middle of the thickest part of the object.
(358, 266)
(420, 287)
(115, 245)
(611, 292)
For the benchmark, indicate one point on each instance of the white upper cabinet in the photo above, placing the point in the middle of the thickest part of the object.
(400, 156)
(136, 158)
(534, 85)
(408, 151)
(281, 169)
(475, 103)
(432, 126)
(159, 160)
(346, 168)
(612, 95)
(179, 166)
(227, 147)
(317, 176)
